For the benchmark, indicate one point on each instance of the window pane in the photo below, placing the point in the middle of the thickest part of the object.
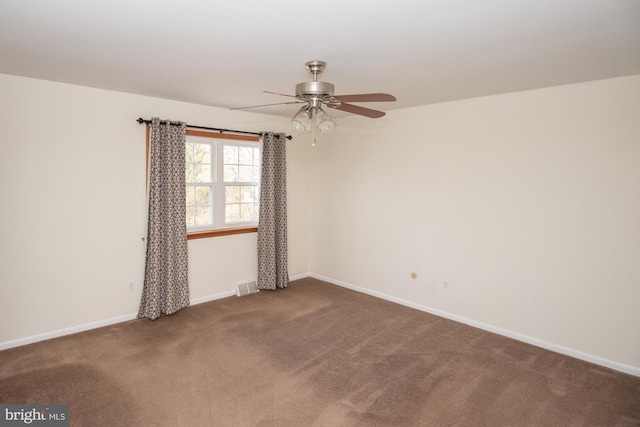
(230, 173)
(248, 194)
(201, 153)
(247, 212)
(230, 154)
(201, 172)
(189, 172)
(202, 195)
(256, 174)
(245, 155)
(231, 194)
(190, 196)
(188, 152)
(191, 213)
(245, 174)
(202, 215)
(256, 156)
(232, 213)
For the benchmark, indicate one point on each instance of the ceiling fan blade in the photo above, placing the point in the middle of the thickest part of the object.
(265, 105)
(366, 97)
(276, 93)
(356, 109)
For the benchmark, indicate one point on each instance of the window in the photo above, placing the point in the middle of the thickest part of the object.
(207, 202)
(241, 180)
(223, 184)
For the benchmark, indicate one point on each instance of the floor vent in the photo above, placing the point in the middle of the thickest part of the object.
(247, 288)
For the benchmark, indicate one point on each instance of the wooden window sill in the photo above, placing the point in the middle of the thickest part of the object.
(221, 232)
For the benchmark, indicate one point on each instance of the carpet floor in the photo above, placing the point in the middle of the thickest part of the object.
(313, 354)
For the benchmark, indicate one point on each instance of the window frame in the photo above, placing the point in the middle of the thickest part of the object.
(222, 186)
(202, 233)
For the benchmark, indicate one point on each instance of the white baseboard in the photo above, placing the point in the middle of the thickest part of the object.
(628, 369)
(67, 331)
(214, 297)
(300, 276)
(97, 324)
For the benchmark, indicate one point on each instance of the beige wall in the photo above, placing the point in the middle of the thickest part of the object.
(527, 204)
(72, 185)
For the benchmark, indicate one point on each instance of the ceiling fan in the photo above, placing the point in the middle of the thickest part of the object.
(315, 95)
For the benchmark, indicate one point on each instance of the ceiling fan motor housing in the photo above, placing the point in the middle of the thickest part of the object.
(308, 90)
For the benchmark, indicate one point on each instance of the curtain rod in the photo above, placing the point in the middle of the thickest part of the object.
(148, 122)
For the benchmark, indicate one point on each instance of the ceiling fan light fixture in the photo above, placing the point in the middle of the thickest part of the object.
(323, 121)
(302, 120)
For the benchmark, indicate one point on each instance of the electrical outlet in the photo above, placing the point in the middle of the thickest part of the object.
(132, 286)
(446, 286)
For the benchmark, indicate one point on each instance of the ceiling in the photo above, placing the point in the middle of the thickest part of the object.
(224, 54)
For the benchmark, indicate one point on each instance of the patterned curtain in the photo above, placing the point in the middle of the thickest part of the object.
(166, 289)
(272, 225)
